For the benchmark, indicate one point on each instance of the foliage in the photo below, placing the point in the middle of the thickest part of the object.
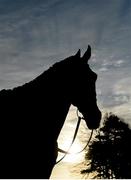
(109, 153)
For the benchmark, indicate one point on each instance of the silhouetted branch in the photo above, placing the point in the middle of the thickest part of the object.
(109, 153)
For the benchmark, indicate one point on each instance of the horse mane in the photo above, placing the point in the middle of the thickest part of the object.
(46, 76)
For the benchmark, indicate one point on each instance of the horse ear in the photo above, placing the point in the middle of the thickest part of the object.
(78, 54)
(87, 54)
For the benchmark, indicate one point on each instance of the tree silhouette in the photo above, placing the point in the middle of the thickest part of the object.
(109, 153)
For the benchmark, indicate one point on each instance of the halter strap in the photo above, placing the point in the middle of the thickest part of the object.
(67, 152)
(74, 137)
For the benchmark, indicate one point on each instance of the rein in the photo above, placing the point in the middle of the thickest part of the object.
(74, 137)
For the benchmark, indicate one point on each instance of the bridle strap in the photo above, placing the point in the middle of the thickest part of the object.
(86, 143)
(67, 152)
(74, 137)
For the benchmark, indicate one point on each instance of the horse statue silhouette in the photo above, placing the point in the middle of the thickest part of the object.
(32, 116)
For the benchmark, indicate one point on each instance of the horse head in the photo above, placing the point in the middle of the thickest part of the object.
(82, 90)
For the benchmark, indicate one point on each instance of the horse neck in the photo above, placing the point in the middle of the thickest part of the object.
(55, 104)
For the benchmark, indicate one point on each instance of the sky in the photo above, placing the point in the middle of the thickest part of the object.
(34, 34)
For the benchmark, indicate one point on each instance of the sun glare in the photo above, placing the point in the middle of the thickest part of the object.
(74, 156)
(66, 137)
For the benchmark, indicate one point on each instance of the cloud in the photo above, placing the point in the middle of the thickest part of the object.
(35, 34)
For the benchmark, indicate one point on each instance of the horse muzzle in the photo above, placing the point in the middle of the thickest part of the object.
(93, 119)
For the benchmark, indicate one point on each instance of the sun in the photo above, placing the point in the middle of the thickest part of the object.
(74, 156)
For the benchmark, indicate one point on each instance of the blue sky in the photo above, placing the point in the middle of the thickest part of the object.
(34, 34)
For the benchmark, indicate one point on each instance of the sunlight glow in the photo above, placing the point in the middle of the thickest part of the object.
(66, 136)
(74, 156)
